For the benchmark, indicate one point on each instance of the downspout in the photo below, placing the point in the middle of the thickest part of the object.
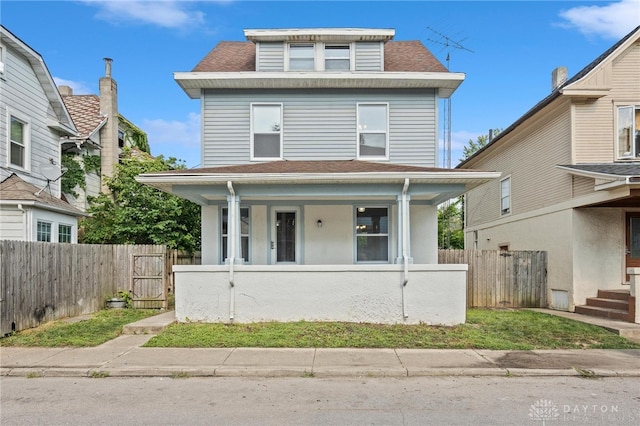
(405, 238)
(24, 222)
(231, 226)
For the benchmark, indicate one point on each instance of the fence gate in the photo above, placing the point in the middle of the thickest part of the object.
(148, 281)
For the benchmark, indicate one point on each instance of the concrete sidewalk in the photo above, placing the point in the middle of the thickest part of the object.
(125, 356)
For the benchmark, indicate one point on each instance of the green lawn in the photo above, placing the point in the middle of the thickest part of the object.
(101, 327)
(485, 329)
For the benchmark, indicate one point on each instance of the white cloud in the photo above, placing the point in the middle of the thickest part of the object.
(79, 88)
(613, 20)
(167, 13)
(180, 139)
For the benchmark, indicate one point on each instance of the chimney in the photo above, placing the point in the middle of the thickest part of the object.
(110, 151)
(65, 91)
(558, 77)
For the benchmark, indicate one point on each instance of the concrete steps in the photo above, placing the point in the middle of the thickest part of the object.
(611, 304)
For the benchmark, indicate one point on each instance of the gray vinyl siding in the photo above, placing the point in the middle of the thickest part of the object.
(369, 57)
(320, 125)
(24, 97)
(270, 57)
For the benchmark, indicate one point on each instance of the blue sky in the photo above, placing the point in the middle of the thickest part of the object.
(511, 47)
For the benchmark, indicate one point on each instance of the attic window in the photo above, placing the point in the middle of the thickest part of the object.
(337, 57)
(120, 139)
(301, 57)
(1, 60)
(628, 132)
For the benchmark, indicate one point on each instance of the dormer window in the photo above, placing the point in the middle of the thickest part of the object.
(301, 57)
(337, 57)
(629, 132)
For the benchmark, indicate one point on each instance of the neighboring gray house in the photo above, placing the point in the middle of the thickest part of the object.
(319, 183)
(33, 121)
(570, 184)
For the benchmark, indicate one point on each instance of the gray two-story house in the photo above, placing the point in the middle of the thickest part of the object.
(319, 183)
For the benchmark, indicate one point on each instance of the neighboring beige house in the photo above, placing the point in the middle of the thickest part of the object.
(102, 133)
(33, 120)
(570, 183)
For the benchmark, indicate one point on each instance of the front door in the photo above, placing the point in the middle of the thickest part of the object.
(284, 236)
(633, 241)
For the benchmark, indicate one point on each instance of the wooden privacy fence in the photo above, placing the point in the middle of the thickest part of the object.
(46, 281)
(500, 279)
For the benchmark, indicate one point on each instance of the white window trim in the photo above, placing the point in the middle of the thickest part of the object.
(501, 197)
(253, 104)
(388, 234)
(52, 235)
(222, 235)
(635, 106)
(2, 61)
(287, 56)
(27, 140)
(70, 234)
(386, 149)
(351, 55)
(319, 56)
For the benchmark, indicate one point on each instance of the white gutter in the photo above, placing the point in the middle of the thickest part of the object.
(231, 234)
(24, 222)
(405, 257)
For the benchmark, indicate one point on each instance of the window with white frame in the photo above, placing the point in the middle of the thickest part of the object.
(337, 57)
(1, 60)
(628, 131)
(18, 142)
(43, 231)
(244, 233)
(372, 234)
(301, 57)
(373, 130)
(505, 196)
(266, 131)
(64, 233)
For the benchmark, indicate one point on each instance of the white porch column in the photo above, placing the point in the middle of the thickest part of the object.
(237, 231)
(404, 219)
(634, 277)
(234, 241)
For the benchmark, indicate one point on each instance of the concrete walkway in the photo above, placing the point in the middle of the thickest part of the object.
(125, 356)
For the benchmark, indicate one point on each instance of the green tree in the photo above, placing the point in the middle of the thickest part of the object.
(134, 213)
(450, 232)
(474, 146)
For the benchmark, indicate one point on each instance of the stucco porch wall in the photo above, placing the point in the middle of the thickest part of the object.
(435, 294)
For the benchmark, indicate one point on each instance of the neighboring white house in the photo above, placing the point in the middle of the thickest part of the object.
(33, 120)
(319, 183)
(570, 183)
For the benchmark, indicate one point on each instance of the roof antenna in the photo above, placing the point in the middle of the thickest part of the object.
(448, 43)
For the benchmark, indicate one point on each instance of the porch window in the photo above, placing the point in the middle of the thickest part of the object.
(628, 132)
(301, 57)
(373, 124)
(18, 145)
(244, 233)
(64, 233)
(505, 196)
(266, 131)
(337, 57)
(372, 234)
(43, 231)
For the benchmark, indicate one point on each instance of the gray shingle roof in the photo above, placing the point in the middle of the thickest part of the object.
(14, 188)
(613, 169)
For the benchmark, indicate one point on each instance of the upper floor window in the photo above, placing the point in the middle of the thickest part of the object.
(1, 60)
(373, 130)
(337, 57)
(505, 196)
(266, 131)
(301, 57)
(43, 231)
(629, 131)
(372, 234)
(18, 142)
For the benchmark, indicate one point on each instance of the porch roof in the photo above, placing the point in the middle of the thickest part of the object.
(607, 175)
(334, 179)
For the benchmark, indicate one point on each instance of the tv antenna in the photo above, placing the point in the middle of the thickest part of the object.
(448, 43)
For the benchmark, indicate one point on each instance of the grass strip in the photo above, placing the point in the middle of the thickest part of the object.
(484, 329)
(101, 327)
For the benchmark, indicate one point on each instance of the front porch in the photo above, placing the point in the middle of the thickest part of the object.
(431, 294)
